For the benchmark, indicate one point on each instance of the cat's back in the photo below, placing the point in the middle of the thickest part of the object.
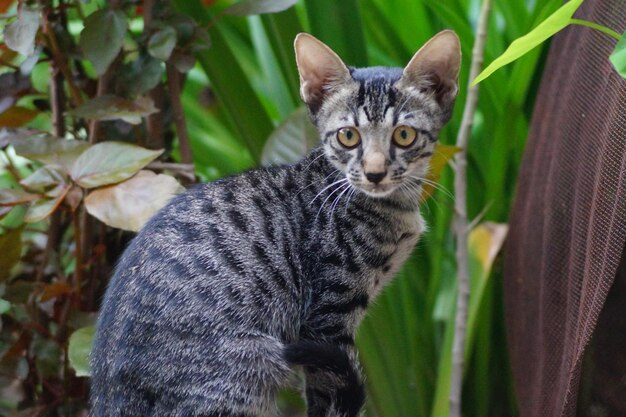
(214, 262)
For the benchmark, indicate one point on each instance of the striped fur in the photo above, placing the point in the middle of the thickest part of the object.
(235, 282)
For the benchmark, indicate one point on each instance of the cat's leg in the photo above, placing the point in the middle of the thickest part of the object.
(334, 386)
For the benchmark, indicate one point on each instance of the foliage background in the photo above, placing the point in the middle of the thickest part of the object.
(224, 87)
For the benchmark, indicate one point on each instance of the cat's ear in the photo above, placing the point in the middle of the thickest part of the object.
(435, 68)
(321, 69)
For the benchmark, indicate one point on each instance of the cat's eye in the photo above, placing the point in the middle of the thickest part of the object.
(404, 136)
(349, 137)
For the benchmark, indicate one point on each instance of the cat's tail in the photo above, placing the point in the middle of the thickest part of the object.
(349, 395)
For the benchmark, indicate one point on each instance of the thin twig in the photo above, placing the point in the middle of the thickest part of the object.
(460, 220)
(173, 84)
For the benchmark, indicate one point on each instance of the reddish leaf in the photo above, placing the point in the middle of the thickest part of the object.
(17, 116)
(43, 180)
(5, 4)
(48, 149)
(10, 198)
(54, 290)
(44, 207)
(110, 107)
(109, 163)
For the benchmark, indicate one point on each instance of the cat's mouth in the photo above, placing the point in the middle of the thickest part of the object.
(377, 190)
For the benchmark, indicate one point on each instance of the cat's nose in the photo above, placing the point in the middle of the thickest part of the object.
(375, 177)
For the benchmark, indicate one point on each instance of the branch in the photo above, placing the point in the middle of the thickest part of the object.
(173, 84)
(460, 220)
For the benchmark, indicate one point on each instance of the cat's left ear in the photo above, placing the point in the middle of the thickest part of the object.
(321, 70)
(435, 68)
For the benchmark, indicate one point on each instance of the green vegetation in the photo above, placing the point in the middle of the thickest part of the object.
(203, 83)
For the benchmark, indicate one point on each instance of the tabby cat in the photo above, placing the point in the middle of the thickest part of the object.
(235, 282)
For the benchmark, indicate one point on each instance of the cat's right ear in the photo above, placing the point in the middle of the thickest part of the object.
(321, 69)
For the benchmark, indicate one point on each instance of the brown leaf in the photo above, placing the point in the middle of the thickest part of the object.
(130, 204)
(17, 116)
(54, 290)
(442, 155)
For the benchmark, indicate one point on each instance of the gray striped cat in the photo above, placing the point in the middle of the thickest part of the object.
(235, 282)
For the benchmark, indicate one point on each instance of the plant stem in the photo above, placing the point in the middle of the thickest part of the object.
(460, 219)
(596, 26)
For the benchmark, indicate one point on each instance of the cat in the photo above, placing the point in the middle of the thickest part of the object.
(235, 282)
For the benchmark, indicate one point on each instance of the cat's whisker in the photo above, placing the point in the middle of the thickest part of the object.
(336, 171)
(331, 194)
(435, 185)
(342, 180)
(352, 192)
(336, 201)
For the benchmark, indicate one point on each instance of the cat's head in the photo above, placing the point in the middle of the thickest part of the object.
(379, 125)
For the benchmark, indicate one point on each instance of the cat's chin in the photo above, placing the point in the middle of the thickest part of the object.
(377, 191)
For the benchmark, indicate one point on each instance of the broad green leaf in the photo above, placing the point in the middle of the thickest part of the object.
(291, 140)
(5, 306)
(11, 250)
(618, 56)
(17, 116)
(109, 163)
(130, 204)
(10, 197)
(162, 43)
(339, 25)
(43, 180)
(20, 34)
(79, 349)
(44, 207)
(102, 38)
(250, 7)
(110, 107)
(519, 47)
(49, 149)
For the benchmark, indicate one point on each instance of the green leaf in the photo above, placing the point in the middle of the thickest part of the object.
(11, 250)
(44, 207)
(291, 140)
(20, 35)
(5, 306)
(618, 56)
(251, 7)
(339, 25)
(141, 75)
(79, 349)
(109, 163)
(110, 107)
(553, 24)
(48, 149)
(102, 38)
(162, 43)
(130, 204)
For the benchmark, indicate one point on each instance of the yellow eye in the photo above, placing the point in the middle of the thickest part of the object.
(404, 136)
(349, 137)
